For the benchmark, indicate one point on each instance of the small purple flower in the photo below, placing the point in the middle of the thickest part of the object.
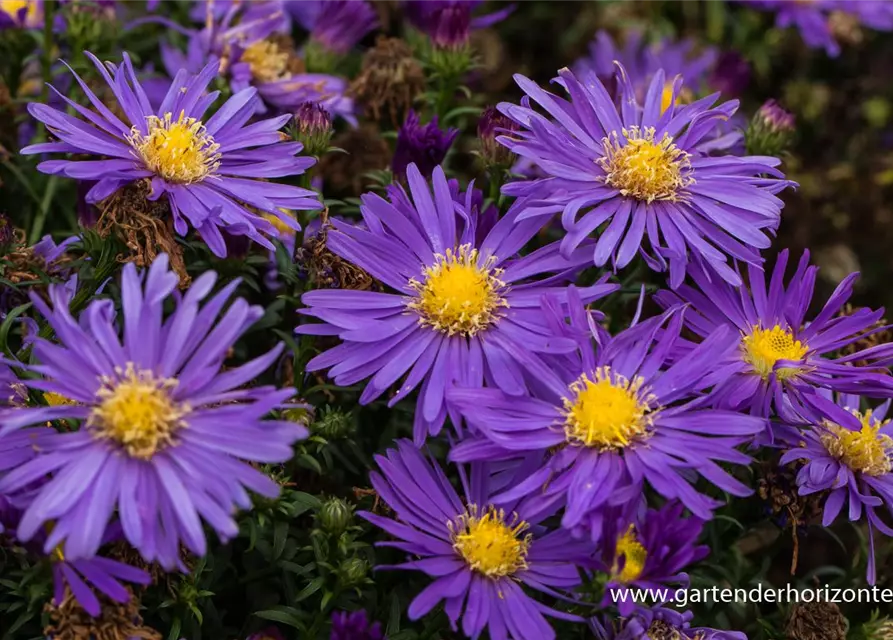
(337, 25)
(426, 146)
(617, 416)
(658, 622)
(166, 437)
(463, 308)
(847, 452)
(355, 626)
(638, 177)
(449, 22)
(207, 168)
(480, 556)
(648, 551)
(776, 355)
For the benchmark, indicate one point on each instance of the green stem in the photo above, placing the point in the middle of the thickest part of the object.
(44, 210)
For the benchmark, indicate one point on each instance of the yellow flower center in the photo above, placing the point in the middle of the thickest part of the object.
(137, 412)
(634, 555)
(178, 150)
(489, 544)
(644, 168)
(267, 61)
(764, 347)
(12, 8)
(607, 412)
(866, 450)
(458, 294)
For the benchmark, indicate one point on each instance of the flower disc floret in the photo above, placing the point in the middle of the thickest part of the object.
(137, 412)
(644, 168)
(459, 294)
(491, 544)
(180, 151)
(268, 62)
(866, 450)
(764, 347)
(606, 411)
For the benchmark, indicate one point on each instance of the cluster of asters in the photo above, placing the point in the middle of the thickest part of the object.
(576, 453)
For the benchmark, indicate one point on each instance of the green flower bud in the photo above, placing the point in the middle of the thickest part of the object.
(335, 515)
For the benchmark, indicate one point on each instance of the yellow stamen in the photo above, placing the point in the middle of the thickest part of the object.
(178, 150)
(136, 412)
(641, 167)
(867, 450)
(634, 556)
(267, 61)
(666, 97)
(459, 294)
(489, 544)
(607, 412)
(764, 347)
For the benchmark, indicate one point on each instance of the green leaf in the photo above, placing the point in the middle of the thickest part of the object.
(284, 615)
(312, 587)
(280, 535)
(7, 326)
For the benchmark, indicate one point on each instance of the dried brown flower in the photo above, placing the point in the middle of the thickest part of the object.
(816, 621)
(327, 270)
(116, 621)
(867, 340)
(145, 226)
(389, 81)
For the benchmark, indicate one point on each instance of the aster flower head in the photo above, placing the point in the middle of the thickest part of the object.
(617, 417)
(207, 168)
(658, 623)
(776, 355)
(636, 172)
(642, 60)
(424, 145)
(462, 308)
(355, 626)
(449, 22)
(846, 452)
(649, 550)
(166, 438)
(483, 558)
(336, 25)
(251, 40)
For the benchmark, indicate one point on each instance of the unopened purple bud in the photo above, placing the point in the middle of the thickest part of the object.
(491, 125)
(425, 145)
(313, 127)
(775, 118)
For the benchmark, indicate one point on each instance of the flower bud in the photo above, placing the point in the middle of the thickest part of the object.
(313, 128)
(425, 145)
(333, 425)
(353, 571)
(492, 124)
(335, 515)
(771, 130)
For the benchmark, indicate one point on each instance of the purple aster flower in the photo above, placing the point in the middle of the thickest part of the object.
(166, 436)
(642, 60)
(775, 353)
(658, 622)
(847, 452)
(463, 308)
(637, 172)
(337, 25)
(480, 556)
(449, 22)
(425, 146)
(21, 14)
(206, 168)
(252, 39)
(617, 418)
(648, 551)
(355, 626)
